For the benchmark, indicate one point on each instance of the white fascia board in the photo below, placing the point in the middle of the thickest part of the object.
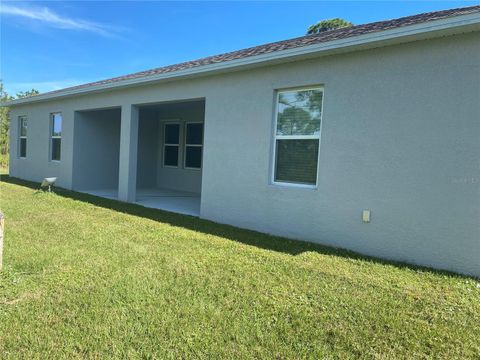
(431, 29)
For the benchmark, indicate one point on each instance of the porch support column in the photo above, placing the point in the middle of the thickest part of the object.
(127, 173)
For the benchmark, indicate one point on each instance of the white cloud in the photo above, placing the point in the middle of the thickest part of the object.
(53, 19)
(45, 86)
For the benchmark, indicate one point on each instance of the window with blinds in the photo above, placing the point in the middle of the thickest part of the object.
(297, 136)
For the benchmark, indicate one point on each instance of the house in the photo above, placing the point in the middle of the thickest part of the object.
(365, 138)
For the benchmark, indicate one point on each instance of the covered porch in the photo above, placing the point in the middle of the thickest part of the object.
(149, 154)
(181, 202)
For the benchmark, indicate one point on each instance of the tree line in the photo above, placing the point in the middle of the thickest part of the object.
(5, 121)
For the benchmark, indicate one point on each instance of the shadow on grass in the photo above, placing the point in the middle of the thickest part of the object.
(248, 237)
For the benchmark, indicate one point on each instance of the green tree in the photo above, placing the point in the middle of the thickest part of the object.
(294, 120)
(327, 25)
(299, 113)
(5, 121)
(28, 93)
(4, 126)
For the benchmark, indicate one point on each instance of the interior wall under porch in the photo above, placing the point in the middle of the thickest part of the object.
(151, 169)
(96, 149)
(181, 177)
(147, 152)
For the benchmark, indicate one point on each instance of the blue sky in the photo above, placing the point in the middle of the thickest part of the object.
(49, 45)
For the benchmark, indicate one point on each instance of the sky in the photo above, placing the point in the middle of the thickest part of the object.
(49, 45)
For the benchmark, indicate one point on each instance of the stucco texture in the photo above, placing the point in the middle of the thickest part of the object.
(400, 136)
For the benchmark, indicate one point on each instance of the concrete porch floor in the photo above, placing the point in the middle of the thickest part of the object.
(164, 199)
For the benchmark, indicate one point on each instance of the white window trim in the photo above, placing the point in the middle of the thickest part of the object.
(192, 145)
(55, 137)
(294, 137)
(171, 122)
(20, 137)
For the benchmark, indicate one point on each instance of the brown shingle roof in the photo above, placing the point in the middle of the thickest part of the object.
(292, 43)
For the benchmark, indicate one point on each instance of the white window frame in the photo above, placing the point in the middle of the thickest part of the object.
(171, 122)
(192, 145)
(20, 136)
(294, 137)
(55, 136)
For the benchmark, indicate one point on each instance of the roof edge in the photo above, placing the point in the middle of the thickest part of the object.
(426, 30)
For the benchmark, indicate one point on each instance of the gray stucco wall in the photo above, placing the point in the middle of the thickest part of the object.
(96, 150)
(400, 136)
(148, 145)
(37, 164)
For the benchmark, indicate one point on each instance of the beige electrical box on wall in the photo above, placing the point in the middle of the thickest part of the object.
(366, 216)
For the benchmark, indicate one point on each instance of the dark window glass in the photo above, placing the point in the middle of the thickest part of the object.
(296, 161)
(193, 157)
(23, 137)
(23, 148)
(194, 134)
(171, 156)
(172, 133)
(56, 148)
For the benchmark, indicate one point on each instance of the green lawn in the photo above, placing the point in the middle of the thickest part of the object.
(86, 277)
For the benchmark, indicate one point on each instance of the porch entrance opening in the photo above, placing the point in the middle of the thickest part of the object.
(170, 156)
(96, 151)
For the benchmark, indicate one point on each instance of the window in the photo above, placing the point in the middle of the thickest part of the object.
(171, 144)
(297, 136)
(193, 145)
(22, 141)
(56, 136)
